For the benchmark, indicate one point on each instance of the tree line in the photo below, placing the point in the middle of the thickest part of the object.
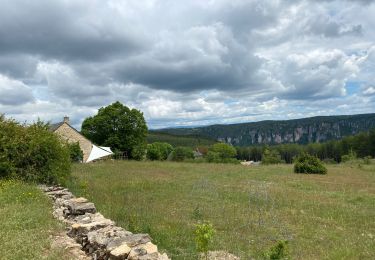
(362, 145)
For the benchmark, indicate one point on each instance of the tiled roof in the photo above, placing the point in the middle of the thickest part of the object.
(53, 127)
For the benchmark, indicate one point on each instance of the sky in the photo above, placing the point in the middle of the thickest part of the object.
(187, 62)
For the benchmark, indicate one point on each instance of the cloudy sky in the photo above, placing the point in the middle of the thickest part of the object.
(187, 62)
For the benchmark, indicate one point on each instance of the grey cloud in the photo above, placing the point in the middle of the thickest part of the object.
(325, 26)
(243, 16)
(18, 66)
(14, 92)
(208, 57)
(366, 2)
(64, 30)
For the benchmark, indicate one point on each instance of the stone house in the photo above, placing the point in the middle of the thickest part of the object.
(90, 151)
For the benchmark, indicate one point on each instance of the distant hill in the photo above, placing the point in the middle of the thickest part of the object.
(178, 140)
(302, 131)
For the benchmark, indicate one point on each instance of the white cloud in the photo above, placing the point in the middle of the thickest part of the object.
(369, 91)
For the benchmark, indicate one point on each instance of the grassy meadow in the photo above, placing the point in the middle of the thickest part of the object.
(322, 216)
(26, 223)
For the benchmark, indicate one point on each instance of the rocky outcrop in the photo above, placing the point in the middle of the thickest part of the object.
(302, 131)
(98, 236)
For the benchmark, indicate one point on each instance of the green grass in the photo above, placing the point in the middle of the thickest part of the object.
(322, 216)
(26, 223)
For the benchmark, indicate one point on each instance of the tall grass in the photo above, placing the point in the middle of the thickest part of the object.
(26, 223)
(321, 217)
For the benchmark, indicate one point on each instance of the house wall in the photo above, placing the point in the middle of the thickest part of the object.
(72, 136)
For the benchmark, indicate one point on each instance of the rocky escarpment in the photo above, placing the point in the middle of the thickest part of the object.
(98, 236)
(302, 131)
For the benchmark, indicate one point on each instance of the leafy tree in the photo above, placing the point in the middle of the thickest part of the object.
(158, 151)
(76, 154)
(224, 151)
(213, 157)
(117, 126)
(271, 157)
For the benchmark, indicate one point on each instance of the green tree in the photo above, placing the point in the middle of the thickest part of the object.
(158, 151)
(117, 126)
(224, 151)
(271, 156)
(76, 154)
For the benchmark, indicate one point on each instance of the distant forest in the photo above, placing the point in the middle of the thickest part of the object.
(300, 131)
(178, 140)
(360, 145)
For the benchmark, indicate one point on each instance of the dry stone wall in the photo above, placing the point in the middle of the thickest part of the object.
(98, 236)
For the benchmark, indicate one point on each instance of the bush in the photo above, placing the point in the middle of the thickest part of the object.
(158, 151)
(224, 151)
(349, 157)
(213, 157)
(271, 157)
(309, 164)
(279, 251)
(32, 153)
(139, 151)
(204, 234)
(182, 153)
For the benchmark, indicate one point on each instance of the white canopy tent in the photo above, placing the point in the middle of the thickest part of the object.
(98, 152)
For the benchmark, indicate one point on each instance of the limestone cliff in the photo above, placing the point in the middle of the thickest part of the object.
(306, 130)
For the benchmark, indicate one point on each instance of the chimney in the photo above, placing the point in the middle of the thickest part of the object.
(66, 119)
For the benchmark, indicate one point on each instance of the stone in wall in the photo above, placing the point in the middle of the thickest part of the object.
(98, 236)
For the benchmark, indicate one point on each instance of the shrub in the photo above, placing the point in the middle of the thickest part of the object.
(271, 157)
(279, 251)
(224, 151)
(213, 157)
(32, 153)
(204, 234)
(139, 151)
(309, 164)
(158, 151)
(182, 153)
(349, 157)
